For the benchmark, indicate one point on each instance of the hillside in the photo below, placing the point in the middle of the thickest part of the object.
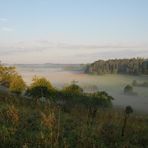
(25, 123)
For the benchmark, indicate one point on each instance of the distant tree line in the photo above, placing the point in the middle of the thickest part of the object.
(133, 66)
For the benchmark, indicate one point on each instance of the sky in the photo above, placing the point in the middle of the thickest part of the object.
(72, 31)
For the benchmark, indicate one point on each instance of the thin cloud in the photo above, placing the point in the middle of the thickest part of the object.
(46, 45)
(90, 50)
(7, 29)
(3, 19)
(79, 56)
(114, 54)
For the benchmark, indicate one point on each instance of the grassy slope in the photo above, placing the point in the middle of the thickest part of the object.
(24, 123)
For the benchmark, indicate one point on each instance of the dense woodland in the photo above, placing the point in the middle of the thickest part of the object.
(134, 66)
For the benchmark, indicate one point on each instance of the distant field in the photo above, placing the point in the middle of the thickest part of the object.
(113, 84)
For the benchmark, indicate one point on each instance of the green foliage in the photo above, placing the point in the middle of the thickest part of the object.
(128, 110)
(67, 95)
(17, 85)
(145, 67)
(40, 87)
(128, 89)
(41, 82)
(73, 89)
(74, 95)
(99, 99)
(132, 66)
(6, 75)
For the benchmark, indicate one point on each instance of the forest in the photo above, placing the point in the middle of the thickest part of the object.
(133, 66)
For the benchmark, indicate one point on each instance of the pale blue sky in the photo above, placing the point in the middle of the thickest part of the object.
(72, 31)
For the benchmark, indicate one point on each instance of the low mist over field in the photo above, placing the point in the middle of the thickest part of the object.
(62, 75)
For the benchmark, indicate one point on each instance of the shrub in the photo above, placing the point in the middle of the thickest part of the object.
(6, 75)
(40, 87)
(17, 85)
(73, 89)
(128, 89)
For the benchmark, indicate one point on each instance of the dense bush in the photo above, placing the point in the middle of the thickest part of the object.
(7, 74)
(73, 89)
(17, 85)
(128, 90)
(40, 88)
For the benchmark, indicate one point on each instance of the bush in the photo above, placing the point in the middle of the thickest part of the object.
(128, 90)
(73, 89)
(40, 87)
(17, 85)
(6, 75)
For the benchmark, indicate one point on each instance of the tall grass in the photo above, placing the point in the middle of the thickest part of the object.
(23, 123)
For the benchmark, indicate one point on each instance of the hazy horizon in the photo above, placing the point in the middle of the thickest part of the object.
(72, 63)
(72, 31)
